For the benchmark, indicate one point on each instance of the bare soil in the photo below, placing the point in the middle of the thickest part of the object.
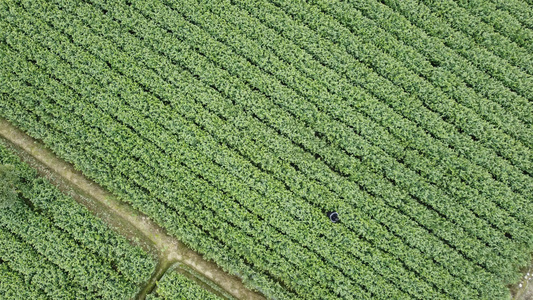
(524, 289)
(122, 218)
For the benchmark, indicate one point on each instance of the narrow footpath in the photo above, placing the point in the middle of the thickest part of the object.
(129, 222)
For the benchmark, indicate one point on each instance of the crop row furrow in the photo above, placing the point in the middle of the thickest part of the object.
(459, 170)
(336, 132)
(511, 76)
(481, 34)
(520, 9)
(157, 113)
(167, 188)
(152, 33)
(501, 21)
(292, 132)
(249, 224)
(422, 15)
(314, 116)
(448, 82)
(86, 230)
(41, 273)
(362, 126)
(13, 286)
(431, 123)
(176, 224)
(48, 241)
(319, 28)
(74, 132)
(442, 157)
(162, 159)
(148, 107)
(237, 125)
(442, 56)
(200, 117)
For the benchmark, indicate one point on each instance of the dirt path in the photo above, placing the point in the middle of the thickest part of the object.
(120, 216)
(524, 289)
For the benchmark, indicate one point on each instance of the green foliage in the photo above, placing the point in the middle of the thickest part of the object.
(8, 182)
(55, 244)
(177, 286)
(13, 286)
(237, 124)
